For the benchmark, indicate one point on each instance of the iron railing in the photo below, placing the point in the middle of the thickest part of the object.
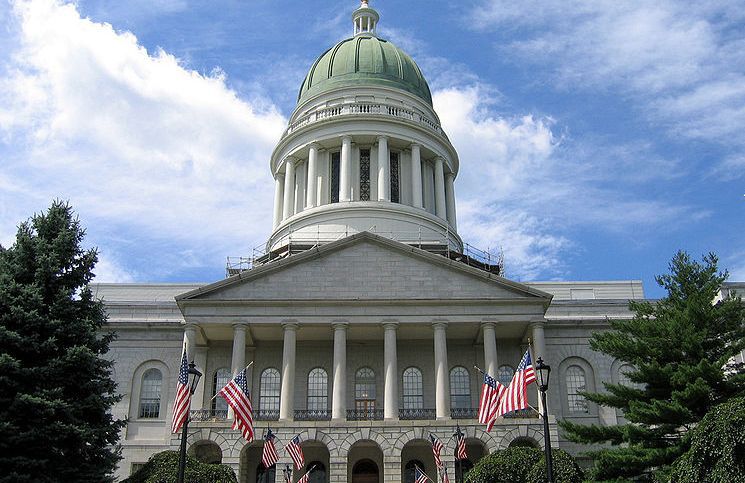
(464, 413)
(523, 413)
(419, 413)
(267, 415)
(312, 415)
(364, 414)
(208, 414)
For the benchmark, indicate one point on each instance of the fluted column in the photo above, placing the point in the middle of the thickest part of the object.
(339, 394)
(287, 400)
(238, 361)
(345, 170)
(490, 349)
(279, 194)
(442, 381)
(289, 198)
(311, 188)
(440, 205)
(384, 170)
(539, 350)
(416, 177)
(450, 200)
(390, 404)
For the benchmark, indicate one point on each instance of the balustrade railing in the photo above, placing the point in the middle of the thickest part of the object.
(523, 413)
(208, 414)
(416, 413)
(312, 415)
(364, 414)
(464, 413)
(364, 108)
(267, 415)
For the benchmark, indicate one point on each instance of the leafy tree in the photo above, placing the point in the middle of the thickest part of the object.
(678, 347)
(56, 390)
(163, 468)
(565, 469)
(524, 465)
(717, 451)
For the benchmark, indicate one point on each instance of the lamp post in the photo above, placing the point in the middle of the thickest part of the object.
(185, 429)
(544, 371)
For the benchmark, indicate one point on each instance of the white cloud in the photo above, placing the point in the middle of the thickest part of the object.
(142, 146)
(681, 63)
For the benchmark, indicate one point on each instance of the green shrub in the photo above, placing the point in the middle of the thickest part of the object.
(566, 469)
(163, 468)
(508, 465)
(717, 452)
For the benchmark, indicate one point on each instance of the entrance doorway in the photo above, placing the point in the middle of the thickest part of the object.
(365, 471)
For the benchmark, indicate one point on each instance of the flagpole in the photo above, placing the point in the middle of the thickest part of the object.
(217, 393)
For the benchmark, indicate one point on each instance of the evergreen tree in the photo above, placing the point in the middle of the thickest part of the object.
(679, 347)
(56, 390)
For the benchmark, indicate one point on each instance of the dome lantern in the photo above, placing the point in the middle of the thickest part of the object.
(365, 19)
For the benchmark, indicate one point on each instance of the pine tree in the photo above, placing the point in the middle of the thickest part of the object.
(56, 390)
(679, 347)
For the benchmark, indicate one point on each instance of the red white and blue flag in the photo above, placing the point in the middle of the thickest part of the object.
(436, 449)
(460, 453)
(269, 454)
(444, 473)
(491, 393)
(516, 396)
(419, 476)
(238, 398)
(296, 452)
(306, 477)
(183, 396)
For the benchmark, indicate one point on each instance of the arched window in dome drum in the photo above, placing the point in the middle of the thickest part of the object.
(364, 175)
(395, 186)
(335, 161)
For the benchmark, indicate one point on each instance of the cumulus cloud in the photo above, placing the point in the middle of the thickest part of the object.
(681, 63)
(143, 147)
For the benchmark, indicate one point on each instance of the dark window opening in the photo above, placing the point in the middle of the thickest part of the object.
(364, 175)
(335, 161)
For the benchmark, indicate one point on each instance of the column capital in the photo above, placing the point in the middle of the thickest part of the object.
(414, 145)
(440, 324)
(488, 325)
(290, 325)
(537, 323)
(390, 324)
(240, 325)
(314, 144)
(191, 326)
(340, 325)
(347, 139)
(382, 137)
(439, 159)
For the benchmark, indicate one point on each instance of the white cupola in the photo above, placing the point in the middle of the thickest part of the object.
(365, 19)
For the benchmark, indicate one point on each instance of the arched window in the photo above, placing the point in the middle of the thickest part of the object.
(410, 470)
(460, 388)
(270, 389)
(623, 378)
(221, 377)
(318, 390)
(318, 472)
(152, 380)
(364, 389)
(576, 383)
(504, 375)
(413, 389)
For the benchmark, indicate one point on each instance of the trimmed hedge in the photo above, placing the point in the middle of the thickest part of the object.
(524, 465)
(163, 468)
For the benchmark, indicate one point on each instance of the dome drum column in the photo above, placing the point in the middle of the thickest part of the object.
(384, 170)
(289, 194)
(450, 200)
(416, 177)
(440, 203)
(312, 184)
(345, 170)
(279, 194)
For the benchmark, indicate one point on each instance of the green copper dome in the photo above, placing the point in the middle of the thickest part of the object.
(364, 60)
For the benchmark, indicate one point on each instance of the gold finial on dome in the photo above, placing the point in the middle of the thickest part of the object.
(365, 19)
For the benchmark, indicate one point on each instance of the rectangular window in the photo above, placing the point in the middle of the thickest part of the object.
(364, 175)
(335, 161)
(395, 191)
(136, 467)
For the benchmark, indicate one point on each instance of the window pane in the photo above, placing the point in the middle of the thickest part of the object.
(152, 380)
(317, 389)
(270, 389)
(335, 159)
(575, 381)
(460, 388)
(504, 376)
(364, 384)
(412, 389)
(395, 192)
(364, 174)
(221, 377)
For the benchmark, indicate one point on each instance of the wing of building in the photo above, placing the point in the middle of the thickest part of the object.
(366, 314)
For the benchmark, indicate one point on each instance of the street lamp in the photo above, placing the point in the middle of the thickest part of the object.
(544, 371)
(195, 375)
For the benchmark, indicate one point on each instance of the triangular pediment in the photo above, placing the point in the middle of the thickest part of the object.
(365, 267)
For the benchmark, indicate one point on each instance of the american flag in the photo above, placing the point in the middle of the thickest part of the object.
(296, 452)
(460, 453)
(419, 476)
(516, 396)
(183, 396)
(436, 449)
(269, 455)
(445, 477)
(239, 399)
(491, 393)
(306, 477)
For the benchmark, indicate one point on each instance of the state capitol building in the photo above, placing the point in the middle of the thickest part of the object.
(366, 314)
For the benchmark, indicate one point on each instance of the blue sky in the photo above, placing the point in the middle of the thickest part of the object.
(596, 138)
